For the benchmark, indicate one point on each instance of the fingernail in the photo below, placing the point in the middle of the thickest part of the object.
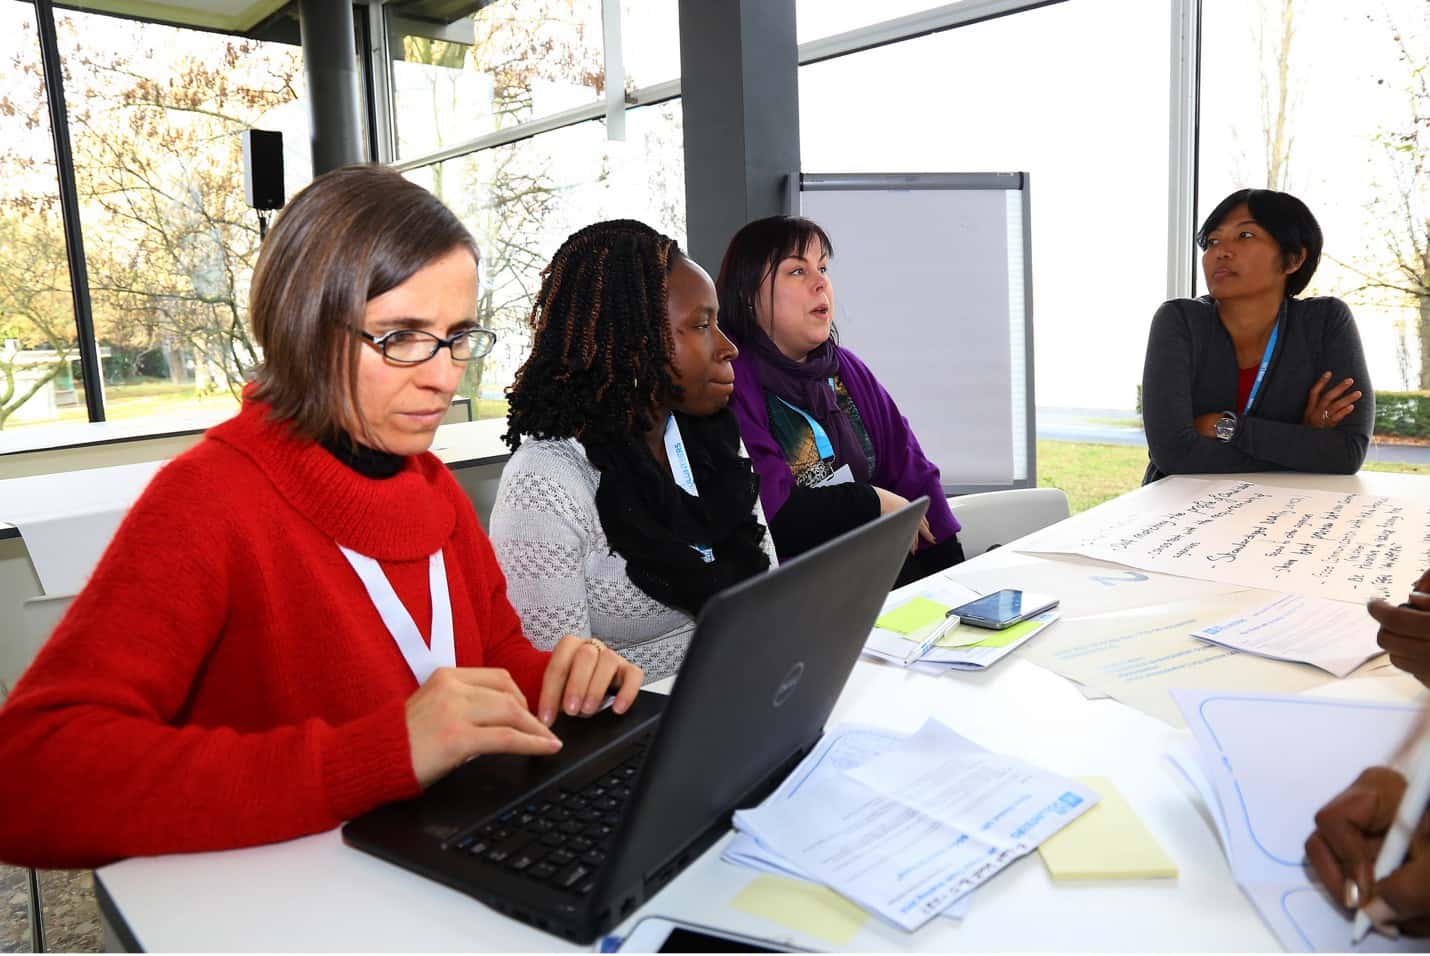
(547, 717)
(1350, 897)
(573, 704)
(1379, 912)
(555, 742)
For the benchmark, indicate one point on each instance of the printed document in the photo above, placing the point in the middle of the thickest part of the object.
(1332, 635)
(1272, 762)
(841, 749)
(910, 831)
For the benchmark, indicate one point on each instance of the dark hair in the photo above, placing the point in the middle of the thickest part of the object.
(1288, 221)
(349, 236)
(753, 254)
(601, 346)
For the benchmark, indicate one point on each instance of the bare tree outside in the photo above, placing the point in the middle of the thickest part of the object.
(1396, 267)
(154, 116)
(1275, 33)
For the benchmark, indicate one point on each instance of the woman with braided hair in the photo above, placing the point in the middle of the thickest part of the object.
(628, 500)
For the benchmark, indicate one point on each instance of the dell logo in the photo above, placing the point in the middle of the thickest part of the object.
(789, 683)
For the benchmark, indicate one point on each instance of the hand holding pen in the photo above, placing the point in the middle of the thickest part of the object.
(1351, 832)
(949, 622)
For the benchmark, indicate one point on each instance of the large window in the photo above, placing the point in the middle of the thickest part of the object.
(1329, 101)
(39, 363)
(527, 81)
(523, 199)
(1087, 119)
(501, 66)
(155, 114)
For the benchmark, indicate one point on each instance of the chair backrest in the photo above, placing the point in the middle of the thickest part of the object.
(39, 615)
(993, 518)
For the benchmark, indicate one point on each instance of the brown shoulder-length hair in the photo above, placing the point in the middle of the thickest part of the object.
(349, 236)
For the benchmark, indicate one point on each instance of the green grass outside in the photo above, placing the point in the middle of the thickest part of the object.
(1091, 474)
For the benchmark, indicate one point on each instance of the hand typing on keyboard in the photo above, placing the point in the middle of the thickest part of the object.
(463, 712)
(579, 676)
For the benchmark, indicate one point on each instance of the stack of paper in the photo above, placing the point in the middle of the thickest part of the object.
(1332, 635)
(905, 827)
(910, 615)
(1267, 764)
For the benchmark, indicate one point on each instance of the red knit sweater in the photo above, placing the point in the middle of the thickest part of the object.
(224, 680)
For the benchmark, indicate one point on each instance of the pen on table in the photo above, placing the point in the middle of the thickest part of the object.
(949, 622)
(1402, 827)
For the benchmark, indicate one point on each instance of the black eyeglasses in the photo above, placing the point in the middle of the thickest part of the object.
(414, 346)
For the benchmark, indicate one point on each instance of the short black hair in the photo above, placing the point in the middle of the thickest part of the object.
(1288, 221)
(754, 253)
(601, 346)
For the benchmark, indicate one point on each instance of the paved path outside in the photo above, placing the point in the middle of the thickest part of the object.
(1096, 425)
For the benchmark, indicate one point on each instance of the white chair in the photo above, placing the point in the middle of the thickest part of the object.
(40, 615)
(993, 518)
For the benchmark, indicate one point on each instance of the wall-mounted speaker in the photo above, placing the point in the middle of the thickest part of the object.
(263, 168)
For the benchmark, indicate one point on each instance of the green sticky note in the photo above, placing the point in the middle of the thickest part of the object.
(916, 615)
(805, 907)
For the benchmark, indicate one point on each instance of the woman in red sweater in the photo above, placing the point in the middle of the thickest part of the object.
(300, 618)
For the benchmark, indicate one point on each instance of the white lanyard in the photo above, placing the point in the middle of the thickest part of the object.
(684, 476)
(422, 660)
(679, 461)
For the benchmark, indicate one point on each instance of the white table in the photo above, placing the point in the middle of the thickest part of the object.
(316, 894)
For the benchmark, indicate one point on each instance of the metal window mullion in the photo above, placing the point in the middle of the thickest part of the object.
(615, 63)
(1185, 105)
(377, 70)
(646, 96)
(69, 210)
(946, 17)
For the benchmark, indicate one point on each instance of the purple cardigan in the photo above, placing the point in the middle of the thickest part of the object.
(900, 465)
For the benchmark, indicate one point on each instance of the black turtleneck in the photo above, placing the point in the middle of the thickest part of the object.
(368, 462)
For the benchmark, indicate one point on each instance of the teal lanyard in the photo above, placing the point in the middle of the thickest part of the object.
(684, 476)
(1265, 360)
(822, 443)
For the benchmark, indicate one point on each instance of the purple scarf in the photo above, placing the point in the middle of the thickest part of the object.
(805, 385)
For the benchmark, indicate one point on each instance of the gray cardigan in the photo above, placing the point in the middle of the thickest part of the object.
(1191, 370)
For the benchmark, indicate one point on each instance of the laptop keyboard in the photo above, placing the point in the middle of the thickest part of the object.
(560, 836)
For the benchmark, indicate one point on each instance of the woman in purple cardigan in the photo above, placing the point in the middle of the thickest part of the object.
(831, 447)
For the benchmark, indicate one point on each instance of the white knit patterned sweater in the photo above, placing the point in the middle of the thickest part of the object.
(560, 573)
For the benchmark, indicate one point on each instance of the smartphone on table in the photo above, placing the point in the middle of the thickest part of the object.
(1004, 608)
(656, 934)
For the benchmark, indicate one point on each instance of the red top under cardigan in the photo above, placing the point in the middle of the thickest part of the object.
(224, 680)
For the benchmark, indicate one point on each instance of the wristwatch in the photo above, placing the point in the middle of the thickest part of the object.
(1226, 427)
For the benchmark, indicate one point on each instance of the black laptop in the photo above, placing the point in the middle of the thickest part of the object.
(573, 843)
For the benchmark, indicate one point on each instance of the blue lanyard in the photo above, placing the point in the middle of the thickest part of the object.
(822, 444)
(1265, 361)
(684, 476)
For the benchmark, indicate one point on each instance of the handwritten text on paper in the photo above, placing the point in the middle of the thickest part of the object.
(1338, 545)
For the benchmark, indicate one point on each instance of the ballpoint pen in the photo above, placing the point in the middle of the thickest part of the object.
(949, 622)
(1402, 827)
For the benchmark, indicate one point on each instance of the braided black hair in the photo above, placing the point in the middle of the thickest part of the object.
(601, 347)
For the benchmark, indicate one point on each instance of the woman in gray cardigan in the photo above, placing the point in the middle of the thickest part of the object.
(1249, 378)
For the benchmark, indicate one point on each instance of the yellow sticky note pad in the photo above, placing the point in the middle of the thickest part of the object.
(916, 615)
(805, 907)
(1001, 638)
(1108, 842)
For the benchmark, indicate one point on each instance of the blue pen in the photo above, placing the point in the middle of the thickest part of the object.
(949, 622)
